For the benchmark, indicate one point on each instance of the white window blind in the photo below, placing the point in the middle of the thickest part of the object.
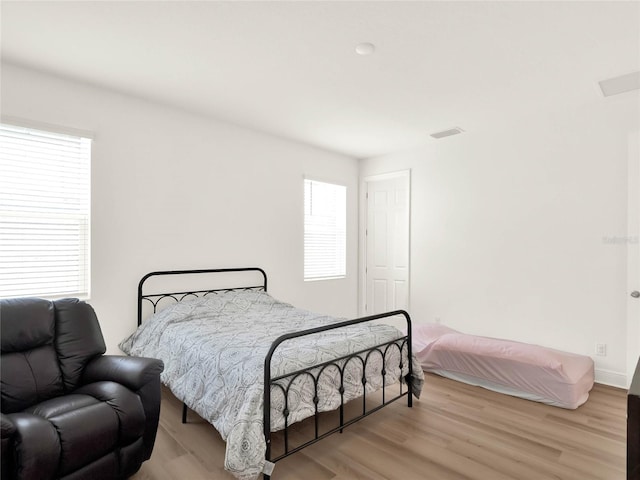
(44, 213)
(325, 225)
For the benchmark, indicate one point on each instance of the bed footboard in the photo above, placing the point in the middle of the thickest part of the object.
(284, 382)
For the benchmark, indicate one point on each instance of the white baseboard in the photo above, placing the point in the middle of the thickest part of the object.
(613, 379)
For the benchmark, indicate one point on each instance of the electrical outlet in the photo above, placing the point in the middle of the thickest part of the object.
(601, 349)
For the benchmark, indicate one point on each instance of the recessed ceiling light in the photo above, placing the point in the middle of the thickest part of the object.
(365, 48)
(447, 133)
(621, 84)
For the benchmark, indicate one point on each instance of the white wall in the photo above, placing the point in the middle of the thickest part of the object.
(172, 190)
(509, 229)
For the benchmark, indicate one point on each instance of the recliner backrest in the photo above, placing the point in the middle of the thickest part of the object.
(45, 346)
(78, 338)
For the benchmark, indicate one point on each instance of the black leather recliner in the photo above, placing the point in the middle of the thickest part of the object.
(68, 411)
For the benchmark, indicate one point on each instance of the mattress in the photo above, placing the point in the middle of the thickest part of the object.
(527, 371)
(214, 348)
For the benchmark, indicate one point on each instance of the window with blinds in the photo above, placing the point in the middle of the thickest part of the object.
(44, 213)
(325, 230)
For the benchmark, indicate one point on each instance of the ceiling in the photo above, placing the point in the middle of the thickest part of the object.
(290, 68)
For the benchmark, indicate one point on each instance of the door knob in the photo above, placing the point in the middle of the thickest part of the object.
(635, 294)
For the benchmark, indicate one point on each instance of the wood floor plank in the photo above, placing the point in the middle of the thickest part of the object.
(453, 432)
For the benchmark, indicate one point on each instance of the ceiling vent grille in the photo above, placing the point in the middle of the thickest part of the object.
(621, 84)
(447, 133)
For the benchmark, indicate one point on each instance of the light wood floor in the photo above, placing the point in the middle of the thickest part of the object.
(454, 431)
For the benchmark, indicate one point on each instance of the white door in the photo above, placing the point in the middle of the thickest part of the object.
(387, 243)
(633, 256)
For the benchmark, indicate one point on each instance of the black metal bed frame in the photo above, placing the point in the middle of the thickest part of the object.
(284, 382)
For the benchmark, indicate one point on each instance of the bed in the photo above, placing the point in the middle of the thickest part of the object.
(532, 372)
(252, 365)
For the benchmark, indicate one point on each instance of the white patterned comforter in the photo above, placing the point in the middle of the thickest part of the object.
(214, 348)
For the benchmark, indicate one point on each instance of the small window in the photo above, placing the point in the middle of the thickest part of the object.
(325, 225)
(44, 213)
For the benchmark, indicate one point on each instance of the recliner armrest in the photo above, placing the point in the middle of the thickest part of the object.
(31, 447)
(7, 431)
(132, 372)
(7, 427)
(139, 374)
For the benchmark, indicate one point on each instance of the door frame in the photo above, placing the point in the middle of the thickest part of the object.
(362, 257)
(633, 253)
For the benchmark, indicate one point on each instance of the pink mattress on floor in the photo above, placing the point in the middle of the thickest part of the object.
(529, 371)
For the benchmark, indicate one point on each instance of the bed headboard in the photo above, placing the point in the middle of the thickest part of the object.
(180, 294)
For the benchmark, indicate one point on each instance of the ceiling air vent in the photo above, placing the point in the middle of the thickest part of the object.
(621, 84)
(447, 133)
